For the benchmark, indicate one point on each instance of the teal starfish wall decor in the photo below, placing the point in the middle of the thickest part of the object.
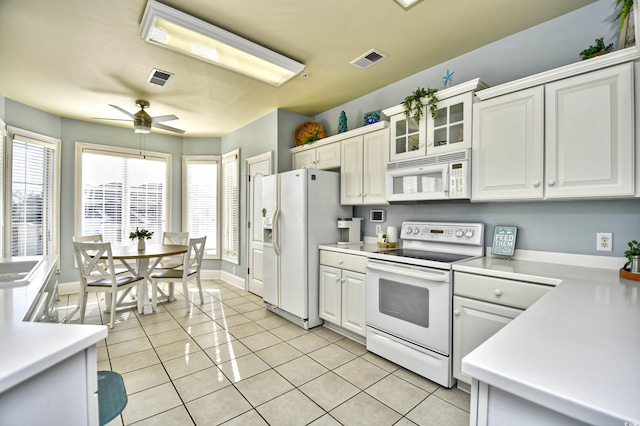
(448, 78)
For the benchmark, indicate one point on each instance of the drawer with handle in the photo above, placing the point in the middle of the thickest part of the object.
(352, 262)
(501, 291)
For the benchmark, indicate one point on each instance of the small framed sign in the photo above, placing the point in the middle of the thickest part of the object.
(504, 240)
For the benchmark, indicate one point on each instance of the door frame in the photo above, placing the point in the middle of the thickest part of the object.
(265, 156)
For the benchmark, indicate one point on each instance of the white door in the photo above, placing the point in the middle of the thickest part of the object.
(589, 149)
(353, 299)
(351, 171)
(507, 155)
(376, 157)
(257, 167)
(330, 294)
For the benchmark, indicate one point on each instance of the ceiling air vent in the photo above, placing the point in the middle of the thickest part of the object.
(368, 59)
(159, 77)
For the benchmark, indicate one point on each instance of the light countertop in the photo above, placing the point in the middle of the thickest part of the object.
(358, 249)
(575, 351)
(28, 348)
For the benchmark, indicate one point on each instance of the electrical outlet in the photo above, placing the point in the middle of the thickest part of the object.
(378, 229)
(604, 241)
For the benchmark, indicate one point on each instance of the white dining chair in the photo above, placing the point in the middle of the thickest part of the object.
(99, 276)
(173, 238)
(191, 266)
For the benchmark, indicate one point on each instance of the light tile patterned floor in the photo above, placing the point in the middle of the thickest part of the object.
(231, 361)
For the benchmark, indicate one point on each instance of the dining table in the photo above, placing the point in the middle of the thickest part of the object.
(144, 267)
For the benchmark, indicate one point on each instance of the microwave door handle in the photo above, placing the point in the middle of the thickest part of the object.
(407, 272)
(445, 179)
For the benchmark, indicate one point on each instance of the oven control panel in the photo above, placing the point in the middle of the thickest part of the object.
(455, 233)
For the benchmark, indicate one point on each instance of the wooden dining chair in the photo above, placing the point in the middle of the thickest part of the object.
(99, 276)
(191, 266)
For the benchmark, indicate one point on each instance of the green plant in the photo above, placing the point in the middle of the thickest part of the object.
(140, 234)
(596, 48)
(624, 11)
(634, 250)
(311, 138)
(413, 105)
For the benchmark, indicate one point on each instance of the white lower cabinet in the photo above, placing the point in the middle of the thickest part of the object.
(482, 305)
(473, 323)
(342, 291)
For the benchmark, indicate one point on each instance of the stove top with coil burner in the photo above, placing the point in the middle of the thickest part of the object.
(436, 244)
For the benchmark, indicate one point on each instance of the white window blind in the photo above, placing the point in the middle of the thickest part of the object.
(3, 141)
(34, 207)
(120, 191)
(230, 206)
(200, 200)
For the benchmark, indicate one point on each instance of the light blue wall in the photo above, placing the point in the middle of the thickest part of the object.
(563, 226)
(540, 48)
(71, 131)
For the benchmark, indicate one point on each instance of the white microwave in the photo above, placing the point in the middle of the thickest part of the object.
(438, 177)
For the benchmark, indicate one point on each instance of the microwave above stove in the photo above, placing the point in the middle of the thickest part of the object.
(439, 177)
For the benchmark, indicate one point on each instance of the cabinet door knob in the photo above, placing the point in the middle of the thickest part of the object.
(456, 313)
(552, 182)
(498, 292)
(364, 195)
(536, 183)
(340, 262)
(342, 280)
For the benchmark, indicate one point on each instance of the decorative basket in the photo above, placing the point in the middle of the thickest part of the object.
(306, 129)
(388, 245)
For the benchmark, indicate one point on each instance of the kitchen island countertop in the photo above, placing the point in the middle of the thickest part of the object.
(574, 351)
(29, 348)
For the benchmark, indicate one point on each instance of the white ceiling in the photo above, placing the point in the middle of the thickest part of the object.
(73, 58)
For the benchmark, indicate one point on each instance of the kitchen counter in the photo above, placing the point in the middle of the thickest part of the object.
(575, 351)
(358, 249)
(29, 348)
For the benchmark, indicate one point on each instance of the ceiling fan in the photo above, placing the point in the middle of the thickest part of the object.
(143, 122)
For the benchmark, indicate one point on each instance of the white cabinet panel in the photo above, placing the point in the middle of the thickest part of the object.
(473, 323)
(364, 162)
(589, 134)
(330, 294)
(353, 300)
(507, 155)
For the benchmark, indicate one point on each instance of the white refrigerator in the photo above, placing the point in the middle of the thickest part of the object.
(300, 211)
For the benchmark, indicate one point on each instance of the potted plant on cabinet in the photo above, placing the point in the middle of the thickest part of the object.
(413, 105)
(141, 235)
(597, 49)
(624, 11)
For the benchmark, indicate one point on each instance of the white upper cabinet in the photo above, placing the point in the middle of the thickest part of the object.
(407, 139)
(325, 157)
(571, 138)
(450, 128)
(507, 154)
(589, 134)
(364, 161)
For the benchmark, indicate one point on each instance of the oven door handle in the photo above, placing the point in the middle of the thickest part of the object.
(407, 272)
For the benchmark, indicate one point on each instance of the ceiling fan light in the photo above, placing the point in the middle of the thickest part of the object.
(140, 128)
(178, 31)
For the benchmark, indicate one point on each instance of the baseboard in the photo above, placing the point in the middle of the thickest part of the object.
(209, 274)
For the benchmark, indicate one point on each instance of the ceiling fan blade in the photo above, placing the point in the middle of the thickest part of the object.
(125, 112)
(163, 127)
(160, 118)
(112, 119)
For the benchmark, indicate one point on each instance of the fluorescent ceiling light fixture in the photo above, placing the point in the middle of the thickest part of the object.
(178, 31)
(406, 3)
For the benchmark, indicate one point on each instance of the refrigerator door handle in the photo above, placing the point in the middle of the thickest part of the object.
(276, 246)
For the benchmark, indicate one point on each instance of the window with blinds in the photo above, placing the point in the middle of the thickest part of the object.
(34, 176)
(230, 206)
(200, 200)
(121, 190)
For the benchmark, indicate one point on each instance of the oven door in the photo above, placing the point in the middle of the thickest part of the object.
(410, 302)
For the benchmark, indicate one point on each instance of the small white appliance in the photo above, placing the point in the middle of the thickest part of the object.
(438, 177)
(350, 230)
(409, 296)
(300, 211)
